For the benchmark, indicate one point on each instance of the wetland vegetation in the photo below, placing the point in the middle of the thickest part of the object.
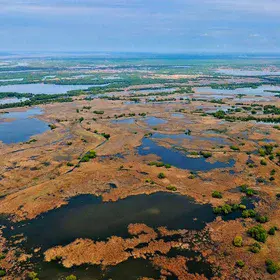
(134, 168)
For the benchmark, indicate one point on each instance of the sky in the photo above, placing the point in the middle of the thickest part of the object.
(163, 26)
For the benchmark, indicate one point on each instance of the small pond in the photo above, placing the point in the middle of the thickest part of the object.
(151, 121)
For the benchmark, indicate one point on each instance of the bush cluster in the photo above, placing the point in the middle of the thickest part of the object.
(88, 156)
(258, 233)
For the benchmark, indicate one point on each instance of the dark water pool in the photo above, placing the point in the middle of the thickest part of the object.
(131, 269)
(86, 216)
(179, 159)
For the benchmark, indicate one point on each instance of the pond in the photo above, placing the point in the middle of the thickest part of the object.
(179, 159)
(45, 88)
(18, 127)
(151, 121)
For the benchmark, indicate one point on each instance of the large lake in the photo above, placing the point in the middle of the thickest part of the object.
(45, 88)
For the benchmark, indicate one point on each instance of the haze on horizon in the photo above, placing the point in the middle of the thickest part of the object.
(140, 25)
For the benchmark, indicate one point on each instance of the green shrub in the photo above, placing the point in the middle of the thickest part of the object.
(245, 189)
(171, 188)
(258, 233)
(238, 241)
(234, 148)
(150, 181)
(242, 207)
(32, 275)
(235, 207)
(217, 194)
(206, 154)
(71, 277)
(262, 219)
(263, 162)
(240, 263)
(271, 157)
(272, 230)
(262, 152)
(106, 135)
(255, 248)
(268, 149)
(159, 164)
(161, 175)
(249, 213)
(52, 126)
(271, 266)
(98, 112)
(225, 209)
(89, 155)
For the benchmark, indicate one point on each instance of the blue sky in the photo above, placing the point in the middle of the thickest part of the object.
(140, 25)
